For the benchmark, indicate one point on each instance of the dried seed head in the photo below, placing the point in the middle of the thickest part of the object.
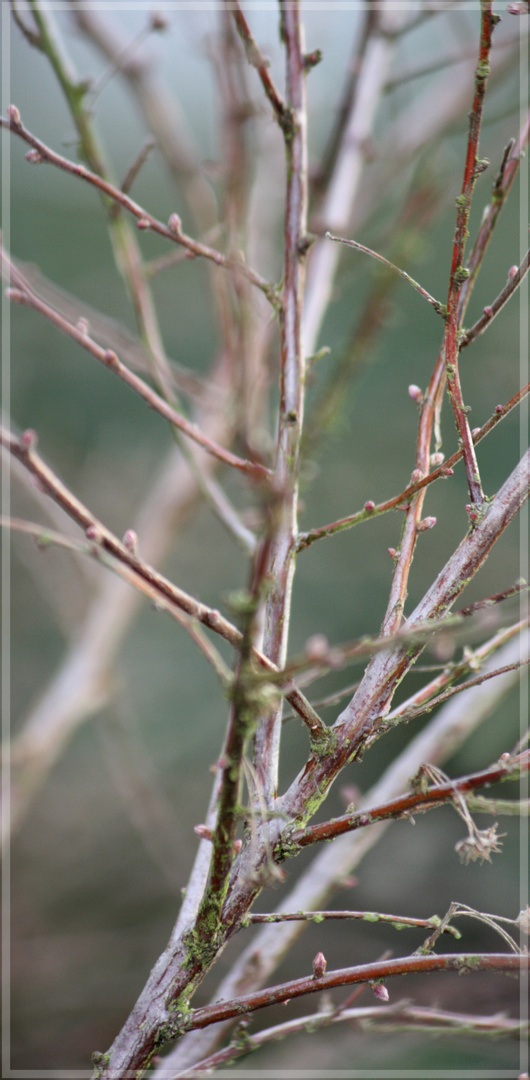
(175, 224)
(29, 439)
(319, 965)
(13, 115)
(479, 844)
(523, 920)
(416, 393)
(369, 506)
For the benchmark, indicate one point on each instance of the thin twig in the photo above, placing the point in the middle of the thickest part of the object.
(257, 60)
(413, 801)
(22, 293)
(491, 310)
(372, 510)
(438, 307)
(144, 219)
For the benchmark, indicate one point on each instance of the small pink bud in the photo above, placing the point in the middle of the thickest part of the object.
(518, 9)
(319, 965)
(83, 325)
(317, 647)
(416, 475)
(427, 523)
(237, 845)
(488, 311)
(203, 831)
(416, 393)
(29, 439)
(369, 506)
(380, 991)
(143, 223)
(110, 358)
(130, 541)
(448, 471)
(13, 115)
(475, 432)
(93, 533)
(364, 820)
(175, 223)
(34, 157)
(512, 272)
(499, 408)
(393, 553)
(436, 459)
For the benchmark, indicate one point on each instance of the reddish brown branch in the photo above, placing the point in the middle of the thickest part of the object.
(413, 801)
(501, 963)
(257, 60)
(491, 310)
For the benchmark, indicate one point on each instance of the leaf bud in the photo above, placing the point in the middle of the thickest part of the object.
(13, 115)
(83, 325)
(512, 272)
(499, 408)
(488, 311)
(93, 533)
(369, 506)
(380, 991)
(175, 223)
(28, 439)
(130, 541)
(317, 647)
(416, 393)
(427, 523)
(203, 831)
(34, 157)
(143, 223)
(319, 965)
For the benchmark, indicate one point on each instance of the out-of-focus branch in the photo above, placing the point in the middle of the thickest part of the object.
(22, 293)
(144, 219)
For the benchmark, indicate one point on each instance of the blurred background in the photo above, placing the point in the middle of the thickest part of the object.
(105, 841)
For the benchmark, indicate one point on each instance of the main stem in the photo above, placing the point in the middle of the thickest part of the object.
(282, 553)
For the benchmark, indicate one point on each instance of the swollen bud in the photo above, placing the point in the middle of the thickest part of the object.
(369, 506)
(427, 523)
(13, 115)
(319, 965)
(130, 541)
(34, 157)
(488, 311)
(28, 439)
(175, 224)
(512, 272)
(380, 991)
(203, 831)
(436, 459)
(416, 393)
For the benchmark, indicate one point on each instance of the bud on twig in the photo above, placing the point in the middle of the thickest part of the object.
(203, 831)
(34, 157)
(416, 393)
(130, 541)
(317, 647)
(13, 115)
(83, 325)
(427, 523)
(29, 439)
(512, 272)
(369, 506)
(319, 965)
(175, 224)
(436, 459)
(380, 991)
